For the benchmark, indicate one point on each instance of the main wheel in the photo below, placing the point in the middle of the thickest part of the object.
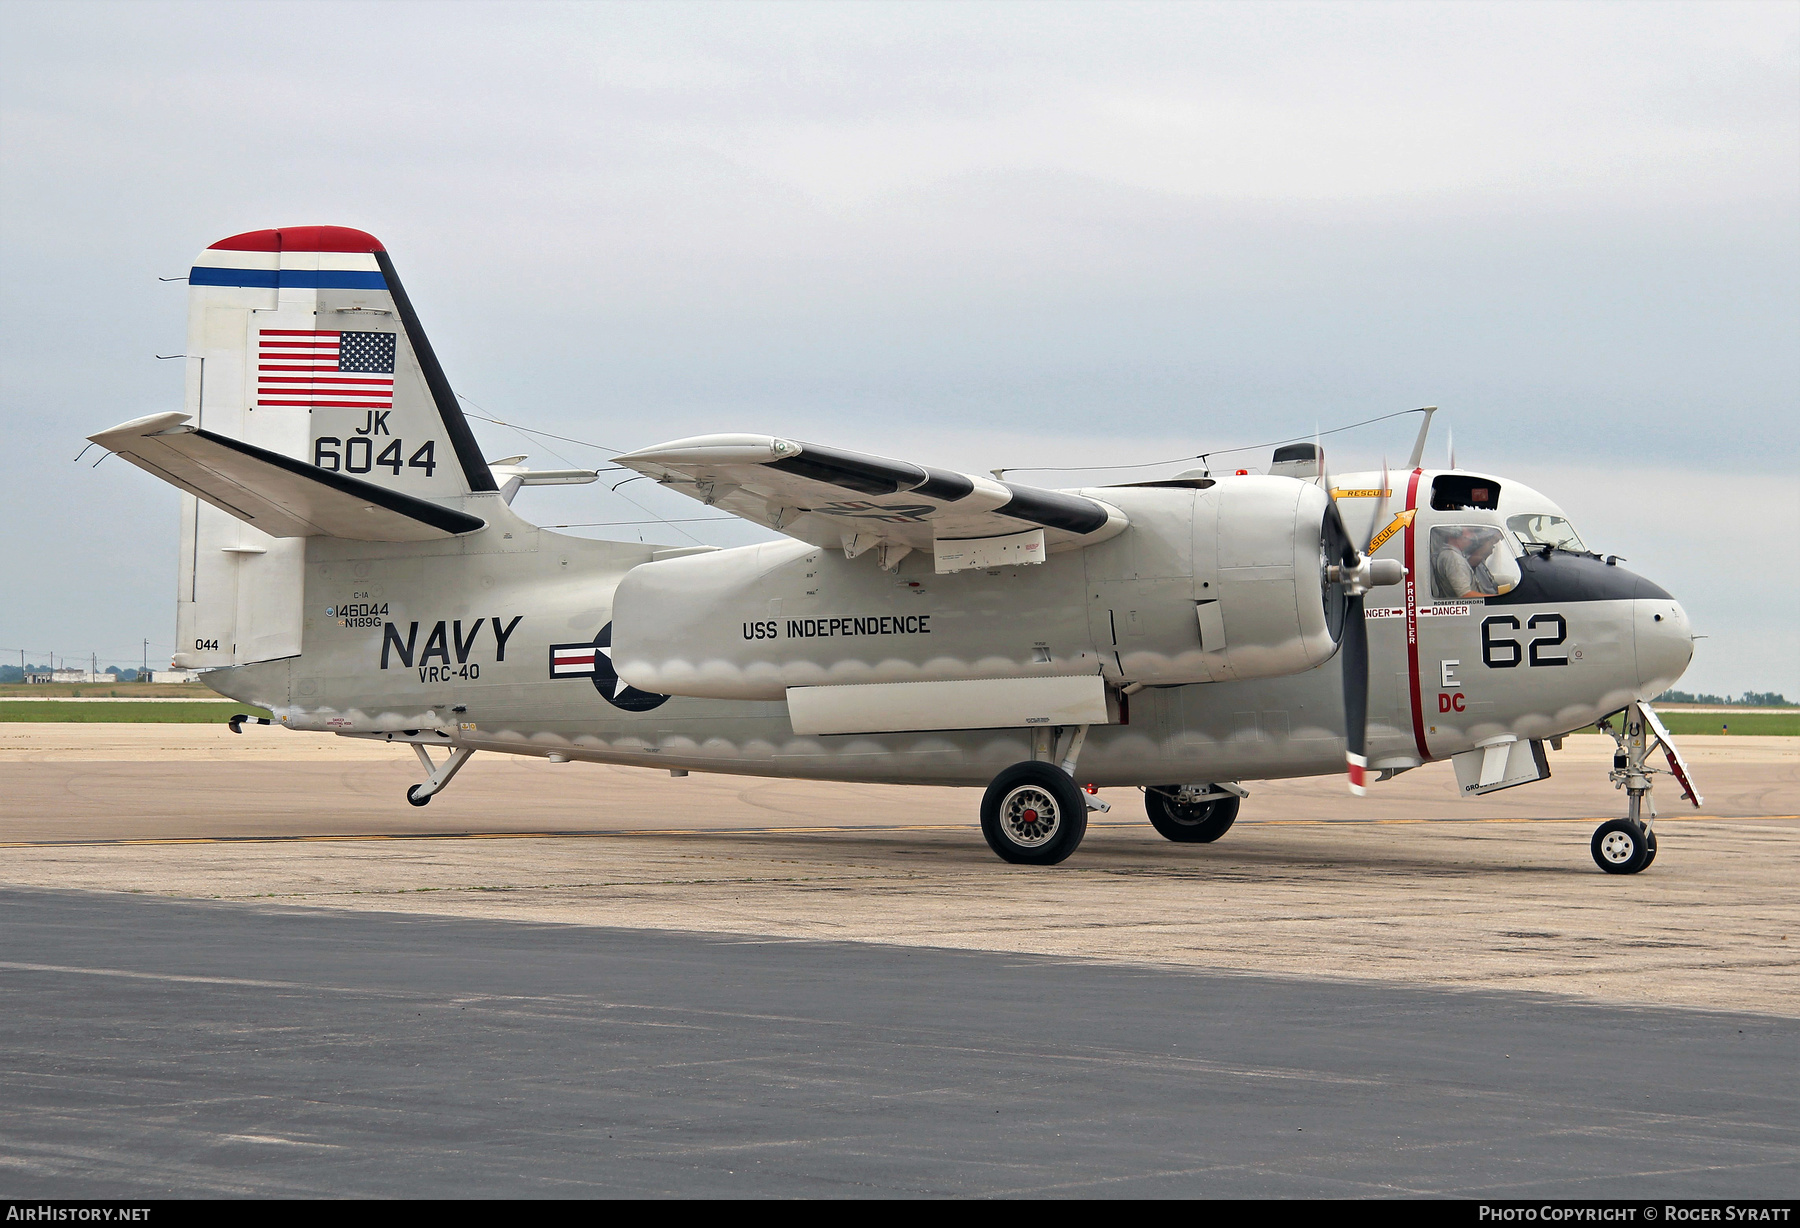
(1033, 814)
(1622, 846)
(1189, 822)
(413, 796)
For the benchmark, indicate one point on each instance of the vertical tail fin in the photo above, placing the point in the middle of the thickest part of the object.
(303, 341)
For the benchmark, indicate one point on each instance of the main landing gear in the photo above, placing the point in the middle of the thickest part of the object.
(1192, 814)
(1034, 813)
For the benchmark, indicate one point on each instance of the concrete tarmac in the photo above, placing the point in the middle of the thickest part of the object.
(777, 987)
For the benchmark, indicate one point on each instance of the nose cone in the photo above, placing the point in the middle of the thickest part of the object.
(1665, 644)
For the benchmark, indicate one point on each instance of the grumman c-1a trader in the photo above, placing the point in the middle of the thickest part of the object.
(351, 561)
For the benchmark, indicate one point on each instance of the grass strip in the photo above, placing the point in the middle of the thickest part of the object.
(201, 712)
(1755, 724)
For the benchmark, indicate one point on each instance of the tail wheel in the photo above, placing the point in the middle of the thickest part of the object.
(1033, 814)
(1188, 822)
(1623, 846)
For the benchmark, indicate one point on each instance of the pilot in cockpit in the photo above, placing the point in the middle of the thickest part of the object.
(1461, 566)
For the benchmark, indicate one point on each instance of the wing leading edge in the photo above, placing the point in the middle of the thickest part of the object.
(836, 498)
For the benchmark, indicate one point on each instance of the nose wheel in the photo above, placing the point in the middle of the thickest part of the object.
(1624, 846)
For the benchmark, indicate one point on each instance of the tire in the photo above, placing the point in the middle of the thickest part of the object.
(1190, 822)
(412, 795)
(1621, 846)
(1057, 814)
(1649, 847)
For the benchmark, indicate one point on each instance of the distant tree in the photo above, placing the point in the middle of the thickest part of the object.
(1764, 699)
(11, 673)
(1749, 699)
(1688, 697)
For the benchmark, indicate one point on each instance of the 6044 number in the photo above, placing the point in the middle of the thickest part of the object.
(357, 455)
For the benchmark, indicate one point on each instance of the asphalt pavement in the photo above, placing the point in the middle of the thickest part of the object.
(157, 1047)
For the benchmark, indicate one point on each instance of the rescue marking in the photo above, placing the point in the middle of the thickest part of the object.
(1402, 521)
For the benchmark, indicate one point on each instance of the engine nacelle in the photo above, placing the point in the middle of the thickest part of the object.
(1243, 598)
(1213, 580)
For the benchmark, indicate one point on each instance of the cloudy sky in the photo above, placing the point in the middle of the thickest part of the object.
(972, 235)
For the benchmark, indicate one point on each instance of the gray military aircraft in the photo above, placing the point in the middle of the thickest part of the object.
(352, 562)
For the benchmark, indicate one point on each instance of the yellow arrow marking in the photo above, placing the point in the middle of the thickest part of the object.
(1399, 522)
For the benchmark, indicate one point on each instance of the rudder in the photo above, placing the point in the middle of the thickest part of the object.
(304, 342)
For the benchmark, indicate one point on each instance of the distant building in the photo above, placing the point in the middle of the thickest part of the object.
(174, 675)
(79, 675)
(38, 675)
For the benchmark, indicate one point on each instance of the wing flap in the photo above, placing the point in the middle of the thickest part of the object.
(277, 494)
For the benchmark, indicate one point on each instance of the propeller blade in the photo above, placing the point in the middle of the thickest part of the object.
(1381, 506)
(1355, 652)
(1347, 555)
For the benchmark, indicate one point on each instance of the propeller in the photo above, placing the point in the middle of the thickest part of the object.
(1356, 573)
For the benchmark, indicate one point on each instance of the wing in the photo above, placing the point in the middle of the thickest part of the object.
(281, 496)
(834, 498)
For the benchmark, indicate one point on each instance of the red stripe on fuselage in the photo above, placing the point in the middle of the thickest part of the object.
(1412, 620)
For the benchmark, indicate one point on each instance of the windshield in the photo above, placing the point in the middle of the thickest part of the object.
(1543, 529)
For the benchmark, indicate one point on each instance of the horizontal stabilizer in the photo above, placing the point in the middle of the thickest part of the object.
(277, 494)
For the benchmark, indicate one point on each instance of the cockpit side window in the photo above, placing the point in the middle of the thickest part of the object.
(1452, 492)
(1545, 529)
(1471, 560)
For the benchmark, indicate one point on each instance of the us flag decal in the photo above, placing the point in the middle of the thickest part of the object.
(320, 369)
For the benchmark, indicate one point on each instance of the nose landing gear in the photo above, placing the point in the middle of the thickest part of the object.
(1627, 845)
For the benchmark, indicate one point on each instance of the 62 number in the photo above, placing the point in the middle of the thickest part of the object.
(1506, 653)
(359, 456)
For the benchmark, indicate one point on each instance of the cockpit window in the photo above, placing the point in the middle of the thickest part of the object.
(1451, 492)
(1543, 529)
(1471, 560)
